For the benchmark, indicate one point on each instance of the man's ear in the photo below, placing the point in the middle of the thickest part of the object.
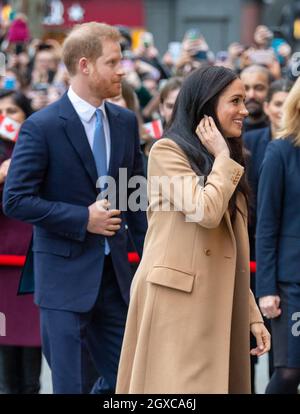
(83, 66)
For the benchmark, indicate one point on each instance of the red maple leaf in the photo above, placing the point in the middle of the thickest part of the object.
(9, 128)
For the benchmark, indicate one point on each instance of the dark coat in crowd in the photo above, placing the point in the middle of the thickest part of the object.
(21, 314)
(256, 142)
(278, 226)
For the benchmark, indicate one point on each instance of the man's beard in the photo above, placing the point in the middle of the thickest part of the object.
(254, 108)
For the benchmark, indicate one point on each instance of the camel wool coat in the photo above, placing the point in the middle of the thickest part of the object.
(188, 324)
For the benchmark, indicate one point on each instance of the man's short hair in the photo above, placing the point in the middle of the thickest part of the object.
(255, 68)
(85, 40)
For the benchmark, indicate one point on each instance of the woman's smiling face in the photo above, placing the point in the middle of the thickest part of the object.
(231, 110)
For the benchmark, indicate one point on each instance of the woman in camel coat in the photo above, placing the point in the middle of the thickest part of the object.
(191, 308)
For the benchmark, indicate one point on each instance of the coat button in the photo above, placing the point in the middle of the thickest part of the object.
(207, 252)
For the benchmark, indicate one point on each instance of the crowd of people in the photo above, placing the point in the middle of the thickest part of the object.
(231, 117)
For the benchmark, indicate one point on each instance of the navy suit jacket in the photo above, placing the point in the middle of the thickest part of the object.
(278, 223)
(256, 142)
(51, 183)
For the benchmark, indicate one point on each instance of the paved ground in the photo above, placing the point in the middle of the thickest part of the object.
(261, 376)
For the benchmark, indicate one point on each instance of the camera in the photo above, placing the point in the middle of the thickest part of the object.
(147, 39)
(41, 87)
(193, 34)
(200, 55)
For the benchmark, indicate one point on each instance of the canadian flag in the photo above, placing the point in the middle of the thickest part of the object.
(9, 129)
(154, 128)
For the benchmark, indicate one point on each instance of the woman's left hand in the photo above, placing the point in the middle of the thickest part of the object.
(263, 339)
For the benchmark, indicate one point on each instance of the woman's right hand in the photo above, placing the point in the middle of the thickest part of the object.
(263, 339)
(4, 170)
(211, 137)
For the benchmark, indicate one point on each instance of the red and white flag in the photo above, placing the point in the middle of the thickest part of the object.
(9, 129)
(154, 128)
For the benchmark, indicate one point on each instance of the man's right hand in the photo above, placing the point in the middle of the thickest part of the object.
(102, 220)
(269, 305)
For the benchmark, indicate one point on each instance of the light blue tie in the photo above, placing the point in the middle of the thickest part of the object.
(99, 151)
(99, 145)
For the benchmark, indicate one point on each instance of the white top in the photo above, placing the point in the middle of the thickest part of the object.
(86, 113)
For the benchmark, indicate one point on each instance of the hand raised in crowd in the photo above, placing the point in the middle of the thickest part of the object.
(211, 137)
(102, 220)
(133, 79)
(263, 339)
(269, 305)
(262, 36)
(235, 50)
(148, 52)
(4, 170)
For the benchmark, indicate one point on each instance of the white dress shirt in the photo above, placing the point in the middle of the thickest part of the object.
(86, 113)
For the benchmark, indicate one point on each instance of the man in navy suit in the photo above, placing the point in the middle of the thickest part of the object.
(82, 275)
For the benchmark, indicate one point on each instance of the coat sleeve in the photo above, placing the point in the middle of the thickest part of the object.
(269, 207)
(23, 186)
(255, 315)
(137, 220)
(170, 174)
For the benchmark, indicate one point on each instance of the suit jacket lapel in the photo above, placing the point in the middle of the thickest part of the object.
(118, 135)
(77, 136)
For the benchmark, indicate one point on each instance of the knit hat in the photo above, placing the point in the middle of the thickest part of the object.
(18, 31)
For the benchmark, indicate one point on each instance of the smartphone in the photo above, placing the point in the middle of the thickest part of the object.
(20, 48)
(200, 55)
(9, 83)
(41, 87)
(174, 48)
(193, 34)
(262, 57)
(147, 39)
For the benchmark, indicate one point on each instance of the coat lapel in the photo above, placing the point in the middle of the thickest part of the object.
(118, 135)
(77, 136)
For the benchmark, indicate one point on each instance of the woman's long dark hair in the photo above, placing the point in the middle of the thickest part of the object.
(20, 100)
(199, 96)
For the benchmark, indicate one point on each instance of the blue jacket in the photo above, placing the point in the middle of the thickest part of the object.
(278, 222)
(51, 183)
(256, 142)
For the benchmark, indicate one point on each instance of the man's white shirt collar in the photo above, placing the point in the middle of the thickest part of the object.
(83, 108)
